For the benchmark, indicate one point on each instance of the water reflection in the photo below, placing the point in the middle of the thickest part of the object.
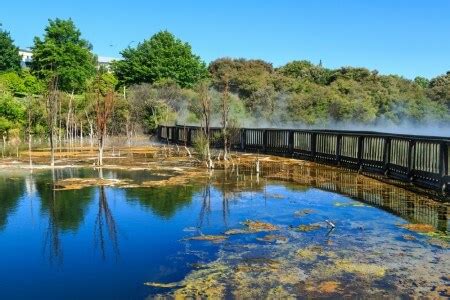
(410, 206)
(163, 201)
(105, 225)
(157, 222)
(11, 189)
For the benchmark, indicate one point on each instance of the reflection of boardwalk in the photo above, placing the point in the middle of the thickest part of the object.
(406, 204)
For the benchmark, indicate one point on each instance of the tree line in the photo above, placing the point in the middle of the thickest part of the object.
(64, 98)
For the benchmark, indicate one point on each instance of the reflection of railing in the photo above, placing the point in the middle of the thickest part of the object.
(421, 160)
(404, 203)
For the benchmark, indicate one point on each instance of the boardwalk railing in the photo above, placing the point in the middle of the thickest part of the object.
(422, 160)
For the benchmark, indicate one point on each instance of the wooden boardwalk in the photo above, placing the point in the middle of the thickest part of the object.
(420, 160)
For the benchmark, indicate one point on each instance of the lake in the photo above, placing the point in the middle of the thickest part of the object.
(305, 232)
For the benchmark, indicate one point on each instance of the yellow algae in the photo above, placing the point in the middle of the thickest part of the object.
(79, 183)
(360, 268)
(310, 253)
(422, 228)
(258, 226)
(280, 293)
(328, 287)
(306, 228)
(206, 283)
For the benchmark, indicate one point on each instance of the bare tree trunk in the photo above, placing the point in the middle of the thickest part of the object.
(100, 150)
(29, 149)
(225, 111)
(4, 146)
(81, 134)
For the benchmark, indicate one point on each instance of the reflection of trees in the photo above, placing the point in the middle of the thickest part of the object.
(105, 222)
(163, 201)
(10, 190)
(205, 209)
(65, 210)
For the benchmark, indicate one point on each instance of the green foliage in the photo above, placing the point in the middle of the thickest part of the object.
(9, 53)
(12, 113)
(440, 89)
(244, 76)
(21, 84)
(64, 54)
(161, 57)
(303, 69)
(422, 82)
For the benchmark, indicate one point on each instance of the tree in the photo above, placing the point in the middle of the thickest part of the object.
(51, 105)
(245, 76)
(303, 69)
(422, 81)
(9, 53)
(163, 56)
(102, 90)
(440, 89)
(64, 54)
(203, 108)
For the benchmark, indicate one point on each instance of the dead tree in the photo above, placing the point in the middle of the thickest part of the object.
(103, 109)
(205, 110)
(52, 98)
(224, 111)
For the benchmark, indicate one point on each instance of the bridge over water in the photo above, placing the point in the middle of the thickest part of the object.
(419, 160)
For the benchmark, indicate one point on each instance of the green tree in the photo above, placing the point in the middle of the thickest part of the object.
(440, 89)
(62, 53)
(163, 56)
(9, 53)
(303, 69)
(422, 81)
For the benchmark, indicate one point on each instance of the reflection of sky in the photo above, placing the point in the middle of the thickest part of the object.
(150, 245)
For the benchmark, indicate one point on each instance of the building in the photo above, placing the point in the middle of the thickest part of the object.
(105, 62)
(27, 57)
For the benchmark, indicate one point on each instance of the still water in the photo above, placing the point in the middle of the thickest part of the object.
(329, 234)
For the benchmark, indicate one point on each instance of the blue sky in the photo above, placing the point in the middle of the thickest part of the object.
(406, 37)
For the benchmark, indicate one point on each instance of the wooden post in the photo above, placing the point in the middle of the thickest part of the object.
(410, 160)
(291, 142)
(189, 137)
(243, 139)
(443, 165)
(386, 155)
(360, 152)
(338, 149)
(264, 140)
(313, 145)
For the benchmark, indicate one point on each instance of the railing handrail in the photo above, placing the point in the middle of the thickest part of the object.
(335, 131)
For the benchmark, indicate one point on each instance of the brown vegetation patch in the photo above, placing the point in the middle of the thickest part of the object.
(306, 228)
(328, 287)
(258, 226)
(422, 228)
(79, 183)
